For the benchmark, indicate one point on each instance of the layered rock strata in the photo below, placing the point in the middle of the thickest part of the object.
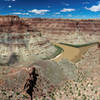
(82, 31)
(19, 40)
(67, 30)
(13, 24)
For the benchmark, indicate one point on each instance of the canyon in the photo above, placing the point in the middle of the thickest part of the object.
(27, 47)
(47, 27)
(72, 31)
(65, 26)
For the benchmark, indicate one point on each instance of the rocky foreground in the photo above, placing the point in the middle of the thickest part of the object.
(26, 73)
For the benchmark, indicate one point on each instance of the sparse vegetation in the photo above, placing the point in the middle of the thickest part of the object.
(79, 46)
(57, 52)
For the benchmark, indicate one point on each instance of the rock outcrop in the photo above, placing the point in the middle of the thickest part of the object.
(37, 80)
(22, 40)
(13, 24)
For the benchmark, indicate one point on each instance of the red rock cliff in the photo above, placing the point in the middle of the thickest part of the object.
(13, 24)
(65, 26)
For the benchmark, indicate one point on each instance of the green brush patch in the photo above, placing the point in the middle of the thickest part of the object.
(80, 45)
(58, 51)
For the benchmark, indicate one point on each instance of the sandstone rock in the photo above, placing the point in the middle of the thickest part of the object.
(13, 24)
(65, 26)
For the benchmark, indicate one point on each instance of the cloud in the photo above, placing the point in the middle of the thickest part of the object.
(36, 11)
(49, 6)
(19, 13)
(86, 2)
(57, 13)
(9, 6)
(94, 8)
(67, 10)
(69, 15)
(10, 0)
(66, 4)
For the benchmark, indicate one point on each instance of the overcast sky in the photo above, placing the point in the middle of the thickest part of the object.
(81, 9)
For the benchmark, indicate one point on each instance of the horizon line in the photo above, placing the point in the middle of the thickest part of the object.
(53, 18)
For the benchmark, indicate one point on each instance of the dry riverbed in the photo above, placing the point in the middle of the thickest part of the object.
(71, 53)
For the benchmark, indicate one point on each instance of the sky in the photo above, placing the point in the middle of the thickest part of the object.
(74, 9)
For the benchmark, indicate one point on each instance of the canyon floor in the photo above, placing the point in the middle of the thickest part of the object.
(36, 64)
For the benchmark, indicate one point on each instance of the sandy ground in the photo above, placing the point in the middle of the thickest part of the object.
(71, 53)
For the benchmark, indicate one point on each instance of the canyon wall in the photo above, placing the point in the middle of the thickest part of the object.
(74, 31)
(55, 30)
(19, 39)
(13, 24)
(65, 26)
